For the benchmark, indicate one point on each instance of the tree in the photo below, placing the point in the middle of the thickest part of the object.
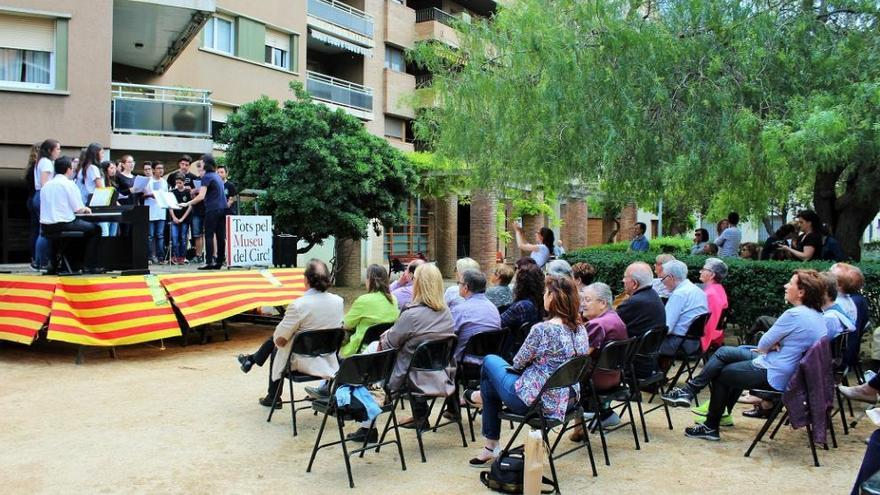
(710, 104)
(325, 175)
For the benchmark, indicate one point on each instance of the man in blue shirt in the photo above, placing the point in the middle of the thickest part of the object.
(639, 243)
(212, 193)
(686, 302)
(729, 240)
(475, 313)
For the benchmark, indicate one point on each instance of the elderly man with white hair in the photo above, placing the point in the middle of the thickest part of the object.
(686, 303)
(451, 296)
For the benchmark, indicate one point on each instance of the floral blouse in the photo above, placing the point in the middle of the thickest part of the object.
(546, 348)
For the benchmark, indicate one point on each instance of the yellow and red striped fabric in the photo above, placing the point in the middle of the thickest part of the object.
(25, 302)
(208, 297)
(105, 311)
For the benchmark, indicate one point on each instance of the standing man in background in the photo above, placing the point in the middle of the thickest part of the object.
(729, 240)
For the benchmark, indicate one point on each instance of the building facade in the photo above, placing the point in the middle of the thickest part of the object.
(159, 78)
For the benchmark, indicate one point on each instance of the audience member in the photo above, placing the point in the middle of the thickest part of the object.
(657, 284)
(770, 366)
(713, 272)
(541, 251)
(558, 250)
(779, 238)
(60, 201)
(643, 310)
(316, 309)
(425, 319)
(525, 261)
(686, 303)
(710, 249)
(639, 242)
(849, 284)
(721, 226)
(500, 293)
(549, 345)
(701, 238)
(749, 251)
(451, 296)
(836, 321)
(559, 268)
(728, 241)
(402, 288)
(808, 244)
(376, 306)
(528, 299)
(583, 274)
(475, 313)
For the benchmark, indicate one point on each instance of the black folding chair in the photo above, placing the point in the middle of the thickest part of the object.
(690, 360)
(360, 370)
(468, 374)
(646, 351)
(312, 343)
(566, 376)
(776, 397)
(430, 356)
(613, 357)
(514, 340)
(373, 333)
(841, 372)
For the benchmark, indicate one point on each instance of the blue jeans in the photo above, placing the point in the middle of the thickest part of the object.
(497, 388)
(157, 239)
(178, 239)
(109, 229)
(870, 463)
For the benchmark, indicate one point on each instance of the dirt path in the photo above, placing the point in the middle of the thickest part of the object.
(186, 420)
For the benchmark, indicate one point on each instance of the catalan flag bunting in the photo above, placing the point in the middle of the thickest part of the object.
(25, 302)
(105, 311)
(208, 297)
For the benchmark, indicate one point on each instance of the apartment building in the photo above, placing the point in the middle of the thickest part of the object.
(158, 78)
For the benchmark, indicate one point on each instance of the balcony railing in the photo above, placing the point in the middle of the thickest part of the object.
(161, 110)
(342, 15)
(424, 80)
(435, 14)
(339, 91)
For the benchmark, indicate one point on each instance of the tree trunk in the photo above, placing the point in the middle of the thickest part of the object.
(850, 214)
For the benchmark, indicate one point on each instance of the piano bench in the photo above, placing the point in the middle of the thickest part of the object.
(65, 235)
(60, 242)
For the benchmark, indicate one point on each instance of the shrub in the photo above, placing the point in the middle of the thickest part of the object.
(659, 245)
(754, 288)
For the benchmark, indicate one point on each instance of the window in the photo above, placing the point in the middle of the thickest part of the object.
(394, 127)
(220, 35)
(395, 59)
(411, 237)
(278, 49)
(27, 52)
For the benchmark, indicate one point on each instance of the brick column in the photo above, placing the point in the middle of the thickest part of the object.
(483, 230)
(446, 214)
(512, 249)
(627, 222)
(348, 256)
(575, 224)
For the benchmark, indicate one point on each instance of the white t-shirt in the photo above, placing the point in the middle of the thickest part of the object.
(92, 174)
(156, 212)
(44, 165)
(59, 200)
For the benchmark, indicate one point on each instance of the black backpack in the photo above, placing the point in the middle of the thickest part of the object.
(506, 473)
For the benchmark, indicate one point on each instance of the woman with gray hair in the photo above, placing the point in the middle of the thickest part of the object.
(603, 326)
(713, 272)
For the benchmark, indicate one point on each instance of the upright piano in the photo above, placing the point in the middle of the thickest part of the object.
(127, 253)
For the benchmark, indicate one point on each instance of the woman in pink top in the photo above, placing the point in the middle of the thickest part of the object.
(712, 273)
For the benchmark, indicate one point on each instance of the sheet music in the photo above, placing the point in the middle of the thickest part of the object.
(197, 184)
(102, 196)
(140, 183)
(165, 199)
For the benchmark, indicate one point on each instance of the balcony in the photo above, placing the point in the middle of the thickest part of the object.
(432, 24)
(355, 99)
(151, 34)
(160, 118)
(399, 88)
(400, 22)
(338, 19)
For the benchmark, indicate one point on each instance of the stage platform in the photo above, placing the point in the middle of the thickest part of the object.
(110, 309)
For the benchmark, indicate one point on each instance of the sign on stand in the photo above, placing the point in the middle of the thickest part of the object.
(248, 240)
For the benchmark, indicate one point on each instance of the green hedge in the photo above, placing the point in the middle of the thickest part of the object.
(754, 288)
(675, 245)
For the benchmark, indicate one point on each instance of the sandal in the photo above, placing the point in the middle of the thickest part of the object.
(477, 462)
(757, 412)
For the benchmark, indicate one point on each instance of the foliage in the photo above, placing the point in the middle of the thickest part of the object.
(754, 288)
(438, 176)
(711, 105)
(325, 175)
(674, 245)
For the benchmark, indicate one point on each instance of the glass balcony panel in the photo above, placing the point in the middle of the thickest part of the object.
(342, 15)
